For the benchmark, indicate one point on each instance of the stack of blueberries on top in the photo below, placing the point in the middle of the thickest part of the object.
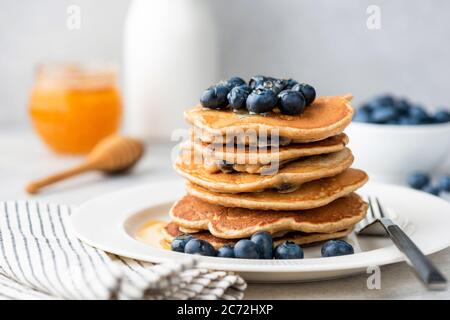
(261, 95)
(388, 109)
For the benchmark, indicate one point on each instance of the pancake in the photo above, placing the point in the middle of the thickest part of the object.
(257, 160)
(171, 230)
(287, 178)
(325, 117)
(309, 195)
(235, 223)
(194, 231)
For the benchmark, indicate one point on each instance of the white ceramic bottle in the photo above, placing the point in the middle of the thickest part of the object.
(170, 57)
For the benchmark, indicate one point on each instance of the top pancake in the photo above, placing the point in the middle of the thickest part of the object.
(233, 223)
(325, 117)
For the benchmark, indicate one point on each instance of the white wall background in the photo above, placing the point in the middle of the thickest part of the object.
(324, 42)
(34, 31)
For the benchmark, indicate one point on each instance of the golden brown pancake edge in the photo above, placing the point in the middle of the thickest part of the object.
(229, 223)
(309, 195)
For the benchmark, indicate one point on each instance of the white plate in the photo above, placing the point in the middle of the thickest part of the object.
(110, 222)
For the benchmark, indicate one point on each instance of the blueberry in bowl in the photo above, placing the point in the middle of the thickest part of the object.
(418, 180)
(441, 116)
(444, 183)
(333, 248)
(261, 101)
(215, 97)
(402, 130)
(362, 115)
(200, 247)
(434, 190)
(388, 109)
(419, 114)
(384, 114)
(422, 181)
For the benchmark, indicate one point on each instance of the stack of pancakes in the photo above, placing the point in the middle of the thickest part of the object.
(296, 185)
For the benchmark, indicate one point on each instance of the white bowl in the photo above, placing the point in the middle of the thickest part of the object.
(389, 153)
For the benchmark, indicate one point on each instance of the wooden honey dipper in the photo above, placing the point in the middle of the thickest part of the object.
(113, 154)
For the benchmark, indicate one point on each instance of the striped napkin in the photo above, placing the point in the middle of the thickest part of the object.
(41, 259)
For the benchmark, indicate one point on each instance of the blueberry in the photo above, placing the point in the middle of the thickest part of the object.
(280, 84)
(384, 100)
(225, 167)
(226, 251)
(179, 242)
(444, 183)
(419, 114)
(238, 96)
(384, 114)
(200, 247)
(246, 249)
(288, 250)
(258, 80)
(261, 101)
(236, 81)
(369, 107)
(264, 241)
(406, 120)
(431, 189)
(215, 97)
(291, 102)
(361, 115)
(290, 83)
(308, 92)
(402, 106)
(441, 116)
(418, 180)
(333, 248)
(271, 84)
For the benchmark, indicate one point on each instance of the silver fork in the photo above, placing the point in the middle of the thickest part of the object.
(378, 223)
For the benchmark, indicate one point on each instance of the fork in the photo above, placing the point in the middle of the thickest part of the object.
(378, 223)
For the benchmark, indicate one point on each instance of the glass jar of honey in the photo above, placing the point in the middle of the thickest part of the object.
(73, 106)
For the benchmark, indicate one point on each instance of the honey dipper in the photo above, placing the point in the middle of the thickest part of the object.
(113, 154)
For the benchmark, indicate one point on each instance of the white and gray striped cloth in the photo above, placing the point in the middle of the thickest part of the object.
(40, 259)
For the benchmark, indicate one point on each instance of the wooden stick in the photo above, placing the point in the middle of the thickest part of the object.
(34, 186)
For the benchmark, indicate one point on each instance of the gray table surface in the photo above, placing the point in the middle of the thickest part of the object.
(23, 157)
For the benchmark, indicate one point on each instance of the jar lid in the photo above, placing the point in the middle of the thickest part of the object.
(79, 76)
